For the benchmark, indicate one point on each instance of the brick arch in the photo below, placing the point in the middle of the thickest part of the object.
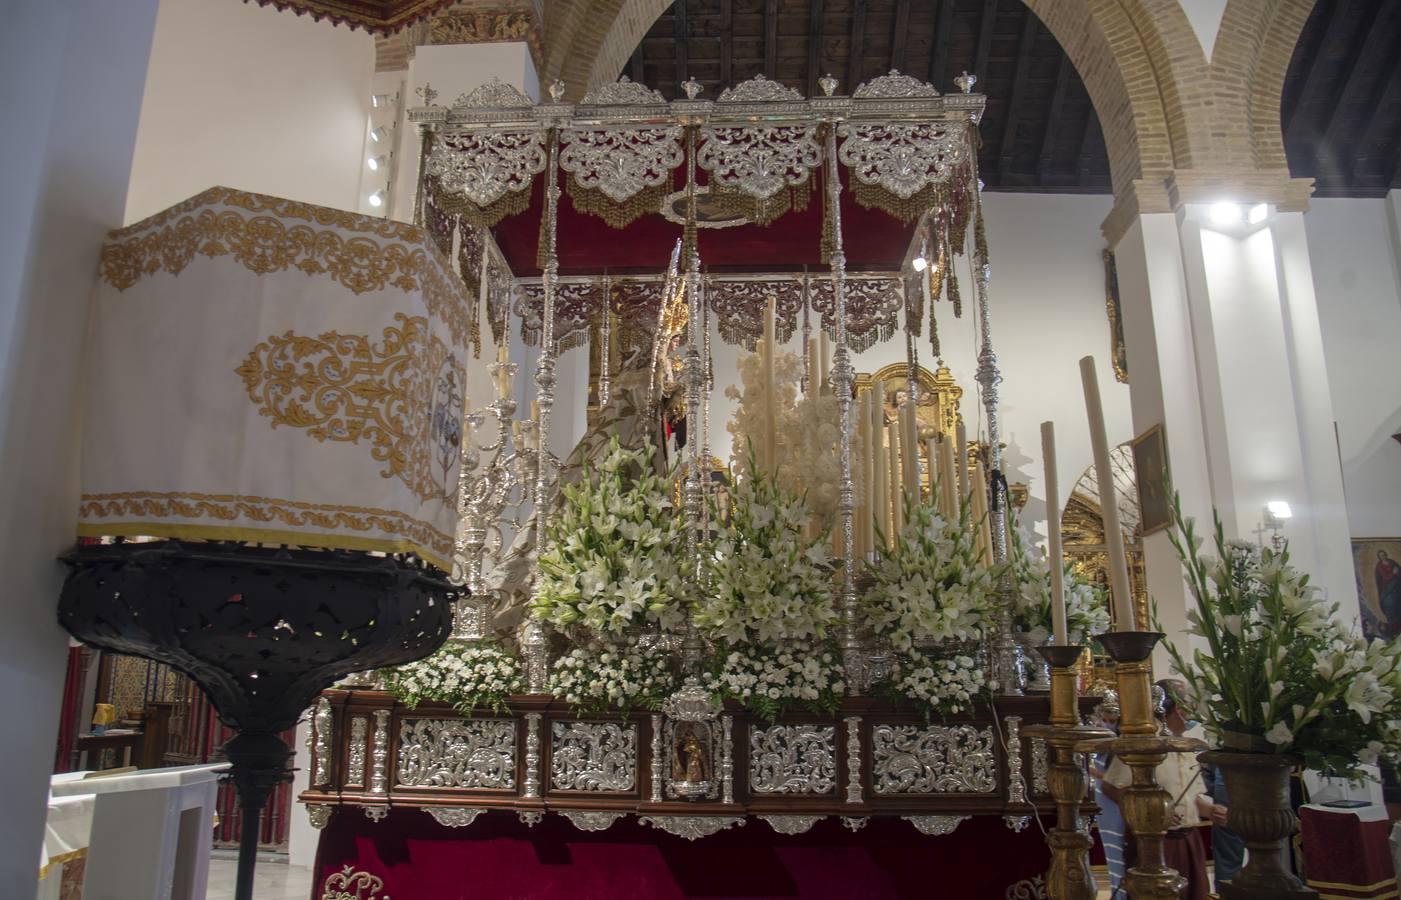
(1257, 40)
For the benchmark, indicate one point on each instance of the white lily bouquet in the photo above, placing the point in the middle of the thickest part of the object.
(620, 678)
(1282, 674)
(465, 674)
(771, 680)
(931, 589)
(612, 561)
(1086, 606)
(768, 583)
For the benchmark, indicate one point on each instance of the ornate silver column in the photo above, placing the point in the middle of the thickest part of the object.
(545, 370)
(694, 374)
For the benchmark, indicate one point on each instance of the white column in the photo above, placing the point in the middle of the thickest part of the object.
(75, 70)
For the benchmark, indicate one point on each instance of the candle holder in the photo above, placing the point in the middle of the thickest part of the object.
(1146, 804)
(1070, 876)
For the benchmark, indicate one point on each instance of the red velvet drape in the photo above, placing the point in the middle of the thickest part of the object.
(68, 718)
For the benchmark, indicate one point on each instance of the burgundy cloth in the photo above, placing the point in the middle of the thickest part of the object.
(497, 856)
(1183, 850)
(68, 717)
(1345, 856)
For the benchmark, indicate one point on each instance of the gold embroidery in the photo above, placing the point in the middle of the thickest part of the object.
(169, 240)
(139, 509)
(349, 884)
(403, 396)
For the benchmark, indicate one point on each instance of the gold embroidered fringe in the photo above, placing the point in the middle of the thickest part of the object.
(512, 204)
(594, 202)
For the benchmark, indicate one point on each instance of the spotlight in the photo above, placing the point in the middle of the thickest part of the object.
(379, 101)
(1280, 509)
(920, 263)
(377, 198)
(379, 134)
(1226, 213)
(378, 162)
(1257, 213)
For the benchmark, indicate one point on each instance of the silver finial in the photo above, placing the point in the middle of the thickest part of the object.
(828, 84)
(692, 88)
(427, 94)
(556, 91)
(965, 82)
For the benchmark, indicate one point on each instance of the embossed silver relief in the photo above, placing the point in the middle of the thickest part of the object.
(1039, 767)
(936, 826)
(793, 759)
(759, 90)
(355, 762)
(493, 94)
(591, 820)
(692, 827)
(593, 756)
(621, 162)
(933, 759)
(319, 814)
(379, 753)
(894, 86)
(462, 753)
(484, 166)
(323, 727)
(1016, 784)
(903, 158)
(727, 760)
(375, 813)
(532, 755)
(791, 824)
(759, 161)
(623, 92)
(853, 759)
(454, 816)
(658, 757)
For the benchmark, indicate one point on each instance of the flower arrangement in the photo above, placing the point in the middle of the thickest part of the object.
(947, 685)
(611, 563)
(462, 673)
(1086, 606)
(767, 581)
(768, 681)
(1282, 674)
(929, 585)
(596, 680)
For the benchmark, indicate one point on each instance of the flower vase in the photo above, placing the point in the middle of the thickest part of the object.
(1035, 668)
(1260, 812)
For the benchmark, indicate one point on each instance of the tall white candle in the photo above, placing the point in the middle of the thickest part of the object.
(948, 481)
(825, 381)
(503, 378)
(981, 522)
(961, 461)
(769, 460)
(1048, 457)
(909, 448)
(1124, 619)
(897, 494)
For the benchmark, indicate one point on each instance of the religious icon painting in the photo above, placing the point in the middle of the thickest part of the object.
(1377, 564)
(1150, 467)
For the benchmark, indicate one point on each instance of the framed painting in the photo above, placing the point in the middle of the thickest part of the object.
(1150, 468)
(1377, 564)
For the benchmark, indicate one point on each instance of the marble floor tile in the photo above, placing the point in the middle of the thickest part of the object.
(272, 881)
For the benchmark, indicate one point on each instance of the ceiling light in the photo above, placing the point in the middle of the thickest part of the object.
(379, 134)
(1226, 213)
(378, 162)
(379, 101)
(920, 263)
(1280, 509)
(1257, 213)
(377, 198)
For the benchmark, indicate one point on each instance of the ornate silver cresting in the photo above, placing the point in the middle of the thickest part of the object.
(379, 753)
(532, 756)
(591, 820)
(933, 759)
(477, 754)
(791, 824)
(692, 827)
(936, 826)
(355, 756)
(853, 759)
(319, 814)
(454, 816)
(323, 733)
(792, 759)
(593, 756)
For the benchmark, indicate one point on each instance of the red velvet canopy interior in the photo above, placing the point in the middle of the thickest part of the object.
(874, 240)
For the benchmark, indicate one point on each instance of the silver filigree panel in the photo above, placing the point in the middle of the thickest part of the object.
(621, 162)
(759, 160)
(460, 753)
(933, 759)
(355, 763)
(593, 756)
(793, 759)
(454, 816)
(759, 90)
(484, 166)
(1039, 767)
(936, 826)
(596, 820)
(903, 158)
(623, 92)
(894, 86)
(492, 95)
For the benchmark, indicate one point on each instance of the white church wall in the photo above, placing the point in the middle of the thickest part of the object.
(251, 98)
(1048, 310)
(76, 70)
(1355, 267)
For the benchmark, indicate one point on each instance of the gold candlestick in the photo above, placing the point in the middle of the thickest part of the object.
(1069, 877)
(1147, 805)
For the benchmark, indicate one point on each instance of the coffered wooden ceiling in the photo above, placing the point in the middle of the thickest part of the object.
(375, 16)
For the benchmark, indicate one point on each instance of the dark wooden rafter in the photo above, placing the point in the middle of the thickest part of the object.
(1379, 143)
(727, 31)
(814, 45)
(1088, 139)
(857, 47)
(985, 27)
(635, 67)
(1378, 46)
(770, 39)
(1012, 116)
(1053, 114)
(1298, 125)
(900, 38)
(678, 21)
(939, 58)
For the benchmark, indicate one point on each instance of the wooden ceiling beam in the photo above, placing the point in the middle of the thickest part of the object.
(1380, 140)
(635, 68)
(678, 21)
(814, 44)
(939, 58)
(857, 47)
(1087, 146)
(727, 38)
(980, 55)
(901, 36)
(771, 39)
(1336, 33)
(1048, 137)
(1379, 45)
(1020, 67)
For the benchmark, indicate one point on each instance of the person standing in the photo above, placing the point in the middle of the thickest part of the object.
(1227, 847)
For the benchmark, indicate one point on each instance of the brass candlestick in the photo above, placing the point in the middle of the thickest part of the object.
(1141, 745)
(1070, 877)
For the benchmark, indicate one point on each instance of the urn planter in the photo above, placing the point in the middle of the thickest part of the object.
(1258, 785)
